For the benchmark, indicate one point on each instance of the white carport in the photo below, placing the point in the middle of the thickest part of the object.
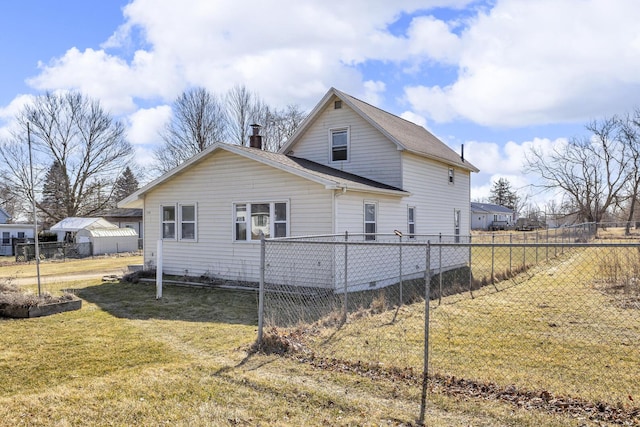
(109, 240)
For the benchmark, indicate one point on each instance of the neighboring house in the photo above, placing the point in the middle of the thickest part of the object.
(104, 236)
(126, 218)
(349, 167)
(487, 216)
(12, 234)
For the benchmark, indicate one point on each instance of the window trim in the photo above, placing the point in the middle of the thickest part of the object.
(333, 131)
(248, 223)
(181, 221)
(451, 175)
(367, 235)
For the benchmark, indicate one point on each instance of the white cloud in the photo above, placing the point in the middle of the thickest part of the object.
(291, 57)
(527, 62)
(8, 114)
(145, 124)
(414, 118)
(507, 161)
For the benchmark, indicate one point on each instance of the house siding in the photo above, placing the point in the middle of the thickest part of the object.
(371, 154)
(208, 184)
(434, 198)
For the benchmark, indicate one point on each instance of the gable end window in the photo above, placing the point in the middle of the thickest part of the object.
(270, 218)
(339, 139)
(337, 105)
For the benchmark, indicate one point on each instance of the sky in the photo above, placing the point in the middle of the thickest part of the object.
(498, 76)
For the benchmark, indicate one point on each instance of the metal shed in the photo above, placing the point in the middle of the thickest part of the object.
(109, 240)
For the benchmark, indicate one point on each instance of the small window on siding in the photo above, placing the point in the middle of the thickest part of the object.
(370, 220)
(451, 175)
(241, 221)
(188, 222)
(411, 222)
(337, 105)
(280, 220)
(339, 145)
(168, 221)
(456, 224)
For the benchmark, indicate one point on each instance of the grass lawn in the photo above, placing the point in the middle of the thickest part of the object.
(126, 358)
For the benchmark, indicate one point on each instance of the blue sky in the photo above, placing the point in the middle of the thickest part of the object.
(497, 76)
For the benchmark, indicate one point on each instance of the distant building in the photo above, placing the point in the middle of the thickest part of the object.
(487, 216)
(11, 234)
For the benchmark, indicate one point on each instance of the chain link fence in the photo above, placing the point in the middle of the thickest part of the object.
(25, 252)
(551, 314)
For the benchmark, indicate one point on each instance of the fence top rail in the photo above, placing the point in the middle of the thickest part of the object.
(459, 244)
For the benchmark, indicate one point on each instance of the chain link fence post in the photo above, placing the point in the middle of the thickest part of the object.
(346, 282)
(427, 298)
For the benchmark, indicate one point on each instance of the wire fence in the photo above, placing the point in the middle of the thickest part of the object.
(553, 317)
(25, 252)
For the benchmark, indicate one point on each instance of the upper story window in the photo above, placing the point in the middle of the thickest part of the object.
(337, 105)
(252, 218)
(370, 220)
(339, 144)
(451, 175)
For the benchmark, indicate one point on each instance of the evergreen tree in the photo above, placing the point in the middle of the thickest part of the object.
(54, 193)
(502, 194)
(125, 185)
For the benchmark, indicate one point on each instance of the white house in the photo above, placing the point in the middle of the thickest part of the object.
(489, 216)
(12, 233)
(349, 167)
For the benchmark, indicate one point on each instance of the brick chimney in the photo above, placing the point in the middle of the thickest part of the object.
(255, 140)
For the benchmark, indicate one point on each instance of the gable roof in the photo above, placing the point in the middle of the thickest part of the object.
(4, 216)
(489, 208)
(332, 179)
(405, 134)
(77, 223)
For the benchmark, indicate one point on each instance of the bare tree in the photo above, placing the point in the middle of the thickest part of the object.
(244, 108)
(198, 121)
(591, 172)
(630, 136)
(280, 125)
(88, 146)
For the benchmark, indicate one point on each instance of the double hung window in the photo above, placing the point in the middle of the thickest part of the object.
(370, 220)
(179, 222)
(411, 222)
(339, 144)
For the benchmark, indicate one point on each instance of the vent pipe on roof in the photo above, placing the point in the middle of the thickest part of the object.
(255, 140)
(462, 153)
